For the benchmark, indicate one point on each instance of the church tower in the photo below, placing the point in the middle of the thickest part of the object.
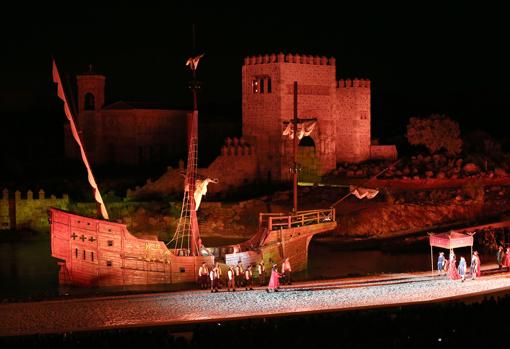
(91, 95)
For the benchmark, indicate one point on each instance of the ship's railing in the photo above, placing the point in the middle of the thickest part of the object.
(275, 221)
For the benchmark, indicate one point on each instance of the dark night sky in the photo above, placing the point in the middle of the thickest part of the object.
(421, 59)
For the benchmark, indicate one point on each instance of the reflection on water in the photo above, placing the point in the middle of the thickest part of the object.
(28, 270)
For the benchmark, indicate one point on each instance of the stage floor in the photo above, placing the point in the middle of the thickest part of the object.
(103, 313)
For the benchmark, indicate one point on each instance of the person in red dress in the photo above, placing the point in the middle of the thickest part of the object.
(274, 281)
(506, 260)
(452, 273)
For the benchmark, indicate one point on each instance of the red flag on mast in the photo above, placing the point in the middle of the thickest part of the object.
(69, 115)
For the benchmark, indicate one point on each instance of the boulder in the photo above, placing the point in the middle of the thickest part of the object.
(470, 168)
(499, 172)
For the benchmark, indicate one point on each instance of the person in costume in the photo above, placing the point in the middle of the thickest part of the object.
(274, 280)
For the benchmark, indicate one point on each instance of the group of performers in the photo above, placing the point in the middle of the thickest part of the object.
(503, 257)
(454, 272)
(239, 277)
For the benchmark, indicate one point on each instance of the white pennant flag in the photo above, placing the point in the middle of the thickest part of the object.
(303, 129)
(361, 192)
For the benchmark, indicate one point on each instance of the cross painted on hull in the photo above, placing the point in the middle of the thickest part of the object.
(74, 236)
(91, 239)
(83, 238)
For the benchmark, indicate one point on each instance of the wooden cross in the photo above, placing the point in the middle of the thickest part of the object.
(91, 239)
(83, 238)
(74, 236)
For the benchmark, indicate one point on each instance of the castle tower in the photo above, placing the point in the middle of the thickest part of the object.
(343, 114)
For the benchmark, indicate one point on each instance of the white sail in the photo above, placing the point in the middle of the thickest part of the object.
(69, 115)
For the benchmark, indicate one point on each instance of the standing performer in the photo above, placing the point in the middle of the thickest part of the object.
(213, 276)
(262, 273)
(231, 277)
(440, 263)
(500, 255)
(274, 280)
(506, 260)
(203, 275)
(452, 273)
(286, 271)
(239, 274)
(474, 266)
(462, 268)
(248, 278)
(218, 276)
(479, 264)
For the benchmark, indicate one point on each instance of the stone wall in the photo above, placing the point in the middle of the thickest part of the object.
(383, 152)
(29, 212)
(234, 168)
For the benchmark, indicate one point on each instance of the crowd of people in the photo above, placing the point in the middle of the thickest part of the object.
(239, 277)
(449, 266)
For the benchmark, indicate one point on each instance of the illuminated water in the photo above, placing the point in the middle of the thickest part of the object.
(28, 271)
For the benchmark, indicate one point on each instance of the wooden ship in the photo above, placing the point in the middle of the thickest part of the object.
(99, 252)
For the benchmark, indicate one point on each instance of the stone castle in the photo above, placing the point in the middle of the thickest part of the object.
(342, 133)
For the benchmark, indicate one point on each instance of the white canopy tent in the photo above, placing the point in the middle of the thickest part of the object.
(449, 241)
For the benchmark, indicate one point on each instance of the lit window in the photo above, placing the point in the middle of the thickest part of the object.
(261, 84)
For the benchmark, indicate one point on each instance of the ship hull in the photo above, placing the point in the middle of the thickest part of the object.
(96, 252)
(288, 237)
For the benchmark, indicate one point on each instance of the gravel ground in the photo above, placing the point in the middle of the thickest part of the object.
(195, 306)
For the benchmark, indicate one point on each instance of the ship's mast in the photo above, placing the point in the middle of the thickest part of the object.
(295, 121)
(187, 235)
(295, 140)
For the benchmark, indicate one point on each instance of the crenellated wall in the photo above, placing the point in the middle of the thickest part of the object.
(27, 212)
(235, 167)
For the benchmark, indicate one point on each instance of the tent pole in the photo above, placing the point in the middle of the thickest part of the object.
(431, 260)
(471, 257)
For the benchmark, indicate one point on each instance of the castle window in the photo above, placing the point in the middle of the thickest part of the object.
(364, 115)
(89, 102)
(261, 84)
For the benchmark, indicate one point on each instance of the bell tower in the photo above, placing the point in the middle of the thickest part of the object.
(90, 102)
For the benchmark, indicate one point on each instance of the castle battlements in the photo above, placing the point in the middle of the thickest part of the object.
(289, 58)
(357, 83)
(25, 213)
(30, 196)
